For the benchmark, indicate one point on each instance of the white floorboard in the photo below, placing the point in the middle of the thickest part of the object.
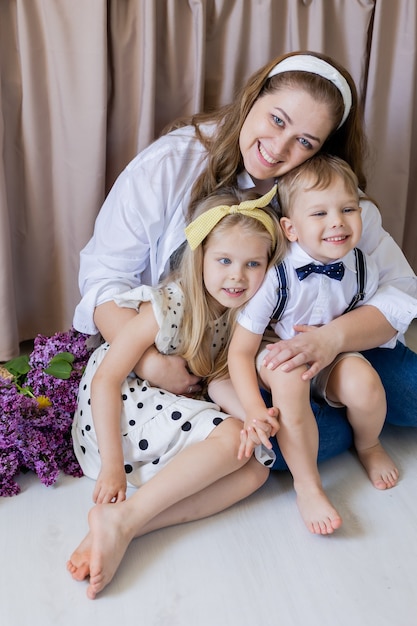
(252, 565)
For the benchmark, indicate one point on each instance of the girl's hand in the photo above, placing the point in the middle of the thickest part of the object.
(312, 346)
(110, 486)
(258, 431)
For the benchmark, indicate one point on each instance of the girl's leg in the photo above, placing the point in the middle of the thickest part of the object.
(223, 393)
(356, 384)
(113, 526)
(215, 498)
(298, 441)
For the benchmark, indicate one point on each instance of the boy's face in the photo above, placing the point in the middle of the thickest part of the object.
(326, 223)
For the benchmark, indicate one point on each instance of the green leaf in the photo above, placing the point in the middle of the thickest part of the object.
(18, 366)
(62, 356)
(59, 368)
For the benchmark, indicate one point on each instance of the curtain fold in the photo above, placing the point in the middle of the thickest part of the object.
(85, 85)
(391, 119)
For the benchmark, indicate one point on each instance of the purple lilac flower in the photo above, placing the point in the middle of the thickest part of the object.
(37, 436)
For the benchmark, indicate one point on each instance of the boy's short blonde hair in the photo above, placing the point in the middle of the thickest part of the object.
(315, 173)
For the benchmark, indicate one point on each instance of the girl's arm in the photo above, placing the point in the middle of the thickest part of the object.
(361, 329)
(241, 363)
(129, 344)
(167, 371)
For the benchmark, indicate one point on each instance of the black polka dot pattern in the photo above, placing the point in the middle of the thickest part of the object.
(155, 424)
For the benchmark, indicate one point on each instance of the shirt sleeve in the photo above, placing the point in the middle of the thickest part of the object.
(168, 308)
(140, 224)
(256, 314)
(396, 296)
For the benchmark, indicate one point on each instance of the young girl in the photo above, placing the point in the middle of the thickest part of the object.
(172, 447)
(323, 276)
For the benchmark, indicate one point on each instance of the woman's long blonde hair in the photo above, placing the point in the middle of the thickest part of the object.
(224, 157)
(199, 313)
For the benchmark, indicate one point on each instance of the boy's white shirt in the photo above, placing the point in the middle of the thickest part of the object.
(318, 299)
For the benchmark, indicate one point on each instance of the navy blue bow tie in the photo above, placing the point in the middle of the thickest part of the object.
(332, 270)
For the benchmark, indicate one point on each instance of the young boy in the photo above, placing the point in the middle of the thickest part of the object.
(322, 276)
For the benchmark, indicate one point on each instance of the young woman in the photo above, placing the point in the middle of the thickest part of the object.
(290, 109)
(168, 445)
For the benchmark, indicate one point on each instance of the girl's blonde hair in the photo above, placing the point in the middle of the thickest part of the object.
(225, 161)
(318, 172)
(199, 313)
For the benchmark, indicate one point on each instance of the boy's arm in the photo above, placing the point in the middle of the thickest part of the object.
(241, 362)
(106, 404)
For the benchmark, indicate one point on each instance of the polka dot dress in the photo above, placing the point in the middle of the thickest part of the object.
(155, 424)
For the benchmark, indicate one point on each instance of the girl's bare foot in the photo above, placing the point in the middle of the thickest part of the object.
(101, 551)
(379, 466)
(319, 515)
(79, 563)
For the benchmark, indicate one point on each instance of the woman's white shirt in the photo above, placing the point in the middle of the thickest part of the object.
(140, 223)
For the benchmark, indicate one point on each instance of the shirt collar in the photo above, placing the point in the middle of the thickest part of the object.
(244, 181)
(299, 257)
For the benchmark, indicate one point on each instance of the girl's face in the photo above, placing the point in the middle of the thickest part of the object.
(282, 130)
(326, 223)
(234, 266)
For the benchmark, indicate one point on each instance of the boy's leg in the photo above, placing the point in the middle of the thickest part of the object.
(354, 383)
(298, 441)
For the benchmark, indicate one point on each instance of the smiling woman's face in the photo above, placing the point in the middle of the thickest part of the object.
(282, 130)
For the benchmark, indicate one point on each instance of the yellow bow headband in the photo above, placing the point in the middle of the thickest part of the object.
(198, 230)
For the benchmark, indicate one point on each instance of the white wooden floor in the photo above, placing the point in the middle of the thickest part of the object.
(252, 565)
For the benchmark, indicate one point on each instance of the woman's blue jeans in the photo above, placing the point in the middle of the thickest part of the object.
(398, 371)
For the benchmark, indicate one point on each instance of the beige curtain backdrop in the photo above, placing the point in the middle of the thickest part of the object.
(84, 85)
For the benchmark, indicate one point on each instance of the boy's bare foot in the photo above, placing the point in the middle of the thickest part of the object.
(79, 563)
(110, 537)
(319, 515)
(380, 467)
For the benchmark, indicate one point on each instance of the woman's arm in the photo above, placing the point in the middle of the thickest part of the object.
(396, 296)
(361, 329)
(129, 344)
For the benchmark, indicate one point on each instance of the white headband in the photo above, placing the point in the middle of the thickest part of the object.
(309, 63)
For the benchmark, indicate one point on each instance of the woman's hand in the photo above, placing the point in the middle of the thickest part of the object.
(168, 372)
(313, 346)
(361, 329)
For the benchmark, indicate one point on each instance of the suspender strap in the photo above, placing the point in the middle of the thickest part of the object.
(361, 279)
(282, 291)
